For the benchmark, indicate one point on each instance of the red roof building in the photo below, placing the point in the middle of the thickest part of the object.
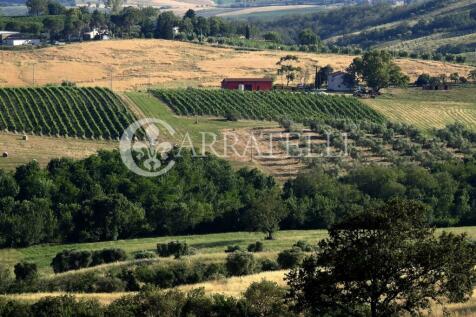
(251, 84)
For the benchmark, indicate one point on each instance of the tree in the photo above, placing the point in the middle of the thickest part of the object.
(423, 80)
(272, 37)
(378, 70)
(384, 261)
(322, 75)
(54, 25)
(266, 213)
(472, 14)
(265, 299)
(287, 68)
(55, 8)
(25, 271)
(190, 14)
(454, 77)
(472, 75)
(37, 7)
(115, 5)
(308, 37)
(165, 24)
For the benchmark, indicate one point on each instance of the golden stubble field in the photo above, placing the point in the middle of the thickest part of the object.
(134, 64)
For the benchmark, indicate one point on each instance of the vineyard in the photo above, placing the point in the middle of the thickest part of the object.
(64, 111)
(274, 105)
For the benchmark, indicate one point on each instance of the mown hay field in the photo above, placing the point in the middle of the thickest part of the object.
(133, 64)
(428, 109)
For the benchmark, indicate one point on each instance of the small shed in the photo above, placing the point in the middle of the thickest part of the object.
(251, 84)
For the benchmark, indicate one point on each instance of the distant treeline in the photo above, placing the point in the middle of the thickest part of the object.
(98, 198)
(350, 19)
(65, 24)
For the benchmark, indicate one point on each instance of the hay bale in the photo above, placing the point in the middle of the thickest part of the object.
(25, 137)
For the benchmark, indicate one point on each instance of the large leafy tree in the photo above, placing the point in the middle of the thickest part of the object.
(288, 68)
(266, 212)
(378, 70)
(385, 262)
(37, 7)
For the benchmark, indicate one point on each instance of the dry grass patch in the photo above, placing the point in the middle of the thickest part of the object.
(235, 286)
(43, 149)
(136, 63)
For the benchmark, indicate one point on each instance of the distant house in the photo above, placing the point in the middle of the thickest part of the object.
(96, 34)
(339, 81)
(251, 84)
(5, 34)
(18, 40)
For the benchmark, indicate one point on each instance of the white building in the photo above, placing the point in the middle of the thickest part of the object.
(337, 82)
(11, 41)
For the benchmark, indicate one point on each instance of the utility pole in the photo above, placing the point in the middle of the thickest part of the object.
(33, 73)
(110, 78)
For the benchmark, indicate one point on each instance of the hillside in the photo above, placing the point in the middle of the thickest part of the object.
(64, 111)
(133, 64)
(422, 26)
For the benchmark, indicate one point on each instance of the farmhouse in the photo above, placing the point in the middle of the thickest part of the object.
(251, 84)
(338, 82)
(18, 40)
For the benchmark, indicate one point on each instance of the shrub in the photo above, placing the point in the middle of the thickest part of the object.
(66, 306)
(232, 248)
(175, 248)
(67, 260)
(240, 263)
(290, 258)
(256, 247)
(303, 245)
(286, 124)
(269, 265)
(25, 271)
(231, 116)
(144, 255)
(12, 308)
(265, 298)
(108, 256)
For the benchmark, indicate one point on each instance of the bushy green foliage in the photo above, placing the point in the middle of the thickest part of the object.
(269, 265)
(66, 306)
(232, 248)
(258, 246)
(67, 260)
(358, 269)
(303, 245)
(144, 255)
(175, 248)
(25, 271)
(240, 263)
(98, 198)
(290, 258)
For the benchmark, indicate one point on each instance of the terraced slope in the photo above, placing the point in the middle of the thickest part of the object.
(272, 105)
(94, 113)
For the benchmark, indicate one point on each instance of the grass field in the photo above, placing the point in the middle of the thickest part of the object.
(132, 64)
(428, 109)
(43, 149)
(208, 246)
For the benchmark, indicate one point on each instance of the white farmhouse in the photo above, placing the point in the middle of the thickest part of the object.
(13, 41)
(337, 82)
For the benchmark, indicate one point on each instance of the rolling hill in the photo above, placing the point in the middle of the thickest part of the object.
(422, 26)
(135, 64)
